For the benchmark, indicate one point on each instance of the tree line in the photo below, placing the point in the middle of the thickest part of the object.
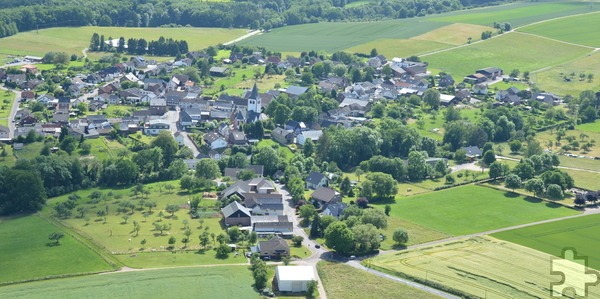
(30, 14)
(161, 47)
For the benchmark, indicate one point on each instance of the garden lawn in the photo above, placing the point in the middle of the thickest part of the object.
(344, 282)
(470, 209)
(580, 233)
(526, 52)
(517, 14)
(590, 127)
(74, 39)
(146, 260)
(287, 153)
(580, 29)
(26, 256)
(194, 282)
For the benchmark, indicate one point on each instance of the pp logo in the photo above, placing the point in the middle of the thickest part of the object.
(576, 277)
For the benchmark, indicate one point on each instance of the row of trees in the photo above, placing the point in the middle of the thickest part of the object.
(161, 47)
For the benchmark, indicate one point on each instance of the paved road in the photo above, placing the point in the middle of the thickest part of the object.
(172, 116)
(467, 166)
(13, 112)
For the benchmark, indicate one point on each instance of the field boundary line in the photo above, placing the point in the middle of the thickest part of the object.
(557, 18)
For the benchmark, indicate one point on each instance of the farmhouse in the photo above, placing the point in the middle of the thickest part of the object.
(294, 278)
(275, 248)
(282, 136)
(490, 72)
(236, 214)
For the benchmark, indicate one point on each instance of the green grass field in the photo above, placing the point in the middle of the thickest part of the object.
(195, 282)
(470, 209)
(518, 14)
(580, 233)
(526, 52)
(287, 153)
(25, 254)
(584, 179)
(6, 103)
(576, 29)
(344, 282)
(590, 127)
(455, 34)
(74, 39)
(484, 267)
(553, 78)
(332, 37)
(398, 47)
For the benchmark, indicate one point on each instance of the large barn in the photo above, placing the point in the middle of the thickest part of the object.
(294, 278)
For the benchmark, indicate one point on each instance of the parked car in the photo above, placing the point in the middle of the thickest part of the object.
(317, 246)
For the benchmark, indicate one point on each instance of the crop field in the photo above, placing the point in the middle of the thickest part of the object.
(470, 209)
(581, 29)
(74, 39)
(526, 53)
(193, 282)
(332, 37)
(399, 47)
(25, 237)
(517, 14)
(344, 282)
(455, 34)
(484, 267)
(580, 233)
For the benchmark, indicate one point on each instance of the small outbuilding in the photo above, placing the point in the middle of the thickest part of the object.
(294, 278)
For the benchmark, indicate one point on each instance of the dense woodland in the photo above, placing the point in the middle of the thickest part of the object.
(25, 15)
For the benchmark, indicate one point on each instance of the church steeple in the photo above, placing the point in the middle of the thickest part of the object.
(254, 102)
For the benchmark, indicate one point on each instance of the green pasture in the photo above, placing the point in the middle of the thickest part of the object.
(545, 137)
(581, 163)
(332, 37)
(509, 51)
(581, 29)
(74, 39)
(193, 282)
(590, 127)
(518, 14)
(26, 254)
(470, 209)
(584, 179)
(580, 233)
(398, 47)
(345, 282)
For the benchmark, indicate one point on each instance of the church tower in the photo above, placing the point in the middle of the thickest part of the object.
(254, 103)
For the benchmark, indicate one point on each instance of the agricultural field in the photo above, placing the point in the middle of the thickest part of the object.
(455, 34)
(418, 234)
(483, 266)
(198, 282)
(22, 238)
(518, 14)
(74, 40)
(579, 29)
(331, 37)
(554, 77)
(580, 233)
(398, 47)
(527, 53)
(344, 282)
(470, 209)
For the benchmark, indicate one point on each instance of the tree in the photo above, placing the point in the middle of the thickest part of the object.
(172, 208)
(161, 227)
(387, 210)
(431, 97)
(554, 191)
(400, 236)
(497, 169)
(383, 184)
(513, 181)
(417, 168)
(56, 236)
(366, 238)
(441, 168)
(208, 169)
(167, 144)
(536, 186)
(204, 239)
(375, 217)
(268, 157)
(339, 237)
(489, 157)
(306, 212)
(515, 146)
(308, 148)
(234, 233)
(315, 227)
(311, 287)
(223, 251)
(252, 237)
(345, 186)
(297, 240)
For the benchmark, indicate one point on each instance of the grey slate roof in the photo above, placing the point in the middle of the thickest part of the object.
(233, 207)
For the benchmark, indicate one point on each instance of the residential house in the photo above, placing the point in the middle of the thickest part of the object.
(64, 103)
(316, 180)
(313, 135)
(237, 138)
(264, 204)
(214, 140)
(273, 228)
(236, 214)
(548, 98)
(335, 209)
(295, 91)
(179, 138)
(274, 248)
(282, 136)
(326, 195)
(475, 78)
(473, 152)
(490, 72)
(17, 79)
(448, 100)
(173, 98)
(446, 81)
(27, 95)
(295, 126)
(480, 88)
(185, 120)
(155, 126)
(4, 132)
(233, 172)
(158, 106)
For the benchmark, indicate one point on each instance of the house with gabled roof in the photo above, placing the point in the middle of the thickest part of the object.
(274, 248)
(236, 214)
(316, 180)
(326, 195)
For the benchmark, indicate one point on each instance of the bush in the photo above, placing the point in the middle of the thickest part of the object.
(223, 251)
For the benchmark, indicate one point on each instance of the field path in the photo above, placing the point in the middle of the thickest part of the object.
(249, 34)
(84, 52)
